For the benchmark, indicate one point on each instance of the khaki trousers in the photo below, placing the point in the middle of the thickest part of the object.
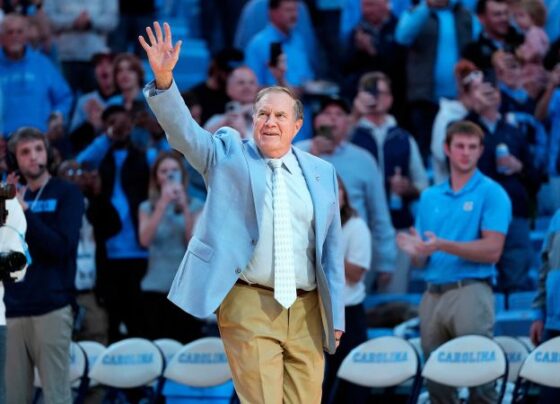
(468, 310)
(41, 341)
(275, 355)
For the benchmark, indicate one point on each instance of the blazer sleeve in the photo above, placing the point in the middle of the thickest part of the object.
(198, 145)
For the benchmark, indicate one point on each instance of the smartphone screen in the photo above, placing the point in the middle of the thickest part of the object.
(325, 131)
(372, 88)
(233, 107)
(275, 52)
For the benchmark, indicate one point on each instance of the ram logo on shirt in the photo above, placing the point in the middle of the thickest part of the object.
(468, 206)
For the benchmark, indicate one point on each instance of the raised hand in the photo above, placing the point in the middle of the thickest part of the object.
(161, 53)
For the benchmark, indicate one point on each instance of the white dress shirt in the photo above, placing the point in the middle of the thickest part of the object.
(260, 269)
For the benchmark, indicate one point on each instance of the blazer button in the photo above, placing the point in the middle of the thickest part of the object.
(254, 242)
(237, 270)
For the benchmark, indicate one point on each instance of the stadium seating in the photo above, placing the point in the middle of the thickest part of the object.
(468, 361)
(381, 362)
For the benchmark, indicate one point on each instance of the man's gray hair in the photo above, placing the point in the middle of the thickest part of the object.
(298, 105)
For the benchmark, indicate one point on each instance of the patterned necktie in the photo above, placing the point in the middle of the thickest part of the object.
(284, 276)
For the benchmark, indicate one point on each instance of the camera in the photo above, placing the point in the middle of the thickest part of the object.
(10, 261)
(7, 191)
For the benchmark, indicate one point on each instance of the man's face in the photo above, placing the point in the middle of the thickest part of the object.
(383, 101)
(336, 118)
(70, 170)
(119, 126)
(375, 11)
(496, 19)
(31, 156)
(463, 152)
(104, 71)
(275, 124)
(242, 85)
(126, 76)
(508, 71)
(285, 16)
(14, 35)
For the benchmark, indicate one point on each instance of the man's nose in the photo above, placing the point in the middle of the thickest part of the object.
(270, 121)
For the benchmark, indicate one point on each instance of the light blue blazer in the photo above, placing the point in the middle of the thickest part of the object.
(228, 229)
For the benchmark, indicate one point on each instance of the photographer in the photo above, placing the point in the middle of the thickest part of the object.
(13, 260)
(39, 309)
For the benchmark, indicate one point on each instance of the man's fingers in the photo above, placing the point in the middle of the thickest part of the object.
(177, 49)
(143, 43)
(150, 33)
(168, 38)
(159, 34)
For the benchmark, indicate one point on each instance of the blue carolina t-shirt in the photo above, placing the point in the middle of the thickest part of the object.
(123, 245)
(481, 204)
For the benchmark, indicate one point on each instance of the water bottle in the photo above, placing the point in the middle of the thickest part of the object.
(502, 150)
(395, 200)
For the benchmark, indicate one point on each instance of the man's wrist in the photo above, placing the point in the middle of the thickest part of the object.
(164, 81)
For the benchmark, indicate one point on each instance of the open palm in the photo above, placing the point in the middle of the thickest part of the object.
(161, 53)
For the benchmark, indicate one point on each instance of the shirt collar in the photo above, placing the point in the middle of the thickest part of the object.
(471, 183)
(289, 161)
(279, 35)
(389, 122)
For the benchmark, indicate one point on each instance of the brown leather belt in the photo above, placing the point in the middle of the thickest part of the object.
(299, 292)
(441, 288)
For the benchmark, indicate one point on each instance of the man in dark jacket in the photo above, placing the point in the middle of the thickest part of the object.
(497, 34)
(39, 309)
(507, 160)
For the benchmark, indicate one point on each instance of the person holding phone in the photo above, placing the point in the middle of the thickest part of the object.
(165, 228)
(241, 87)
(398, 156)
(362, 179)
(278, 54)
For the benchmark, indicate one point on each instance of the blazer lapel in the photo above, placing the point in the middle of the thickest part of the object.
(313, 180)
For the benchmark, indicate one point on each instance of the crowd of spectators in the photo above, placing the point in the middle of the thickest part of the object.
(381, 81)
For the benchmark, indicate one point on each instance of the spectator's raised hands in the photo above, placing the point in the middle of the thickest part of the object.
(161, 53)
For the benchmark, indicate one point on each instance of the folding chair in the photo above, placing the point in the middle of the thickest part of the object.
(527, 342)
(200, 364)
(542, 367)
(381, 362)
(516, 353)
(130, 363)
(92, 350)
(468, 361)
(169, 347)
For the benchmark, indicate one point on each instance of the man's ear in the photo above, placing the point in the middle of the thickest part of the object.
(446, 149)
